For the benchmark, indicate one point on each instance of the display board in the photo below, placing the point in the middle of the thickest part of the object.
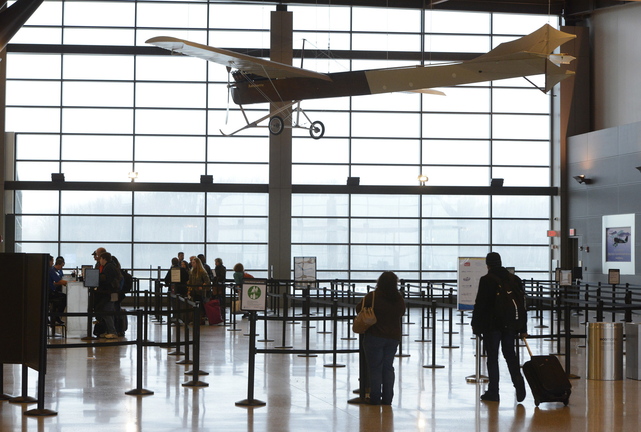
(304, 271)
(470, 271)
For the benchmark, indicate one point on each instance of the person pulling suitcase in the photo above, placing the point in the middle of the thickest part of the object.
(499, 316)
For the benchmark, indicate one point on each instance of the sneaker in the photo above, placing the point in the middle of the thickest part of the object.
(111, 336)
(490, 397)
(520, 392)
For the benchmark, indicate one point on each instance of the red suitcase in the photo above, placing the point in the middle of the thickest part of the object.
(212, 309)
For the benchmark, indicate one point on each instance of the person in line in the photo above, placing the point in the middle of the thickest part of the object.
(486, 323)
(107, 294)
(180, 287)
(199, 284)
(220, 277)
(57, 298)
(181, 256)
(381, 340)
(239, 275)
(206, 266)
(96, 255)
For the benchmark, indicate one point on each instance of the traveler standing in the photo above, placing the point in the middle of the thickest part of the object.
(492, 322)
(381, 340)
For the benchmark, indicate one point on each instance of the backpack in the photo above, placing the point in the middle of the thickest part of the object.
(509, 304)
(128, 281)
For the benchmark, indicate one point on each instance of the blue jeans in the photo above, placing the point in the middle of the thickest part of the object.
(494, 339)
(380, 362)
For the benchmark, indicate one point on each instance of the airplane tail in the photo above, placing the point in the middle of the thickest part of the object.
(540, 43)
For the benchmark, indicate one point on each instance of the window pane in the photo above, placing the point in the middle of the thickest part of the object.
(173, 229)
(169, 172)
(456, 126)
(452, 231)
(385, 206)
(525, 258)
(178, 95)
(37, 147)
(319, 230)
(521, 153)
(391, 231)
(239, 173)
(95, 228)
(521, 126)
(169, 203)
(170, 148)
(386, 125)
(97, 13)
(320, 151)
(240, 204)
(96, 203)
(36, 202)
(438, 258)
(33, 119)
(237, 230)
(171, 15)
(103, 67)
(385, 19)
(520, 231)
(523, 176)
(319, 174)
(457, 176)
(93, 147)
(456, 206)
(170, 122)
(521, 206)
(33, 93)
(320, 205)
(96, 171)
(330, 257)
(389, 257)
(98, 94)
(37, 228)
(387, 175)
(36, 171)
(34, 66)
(456, 152)
(96, 120)
(379, 151)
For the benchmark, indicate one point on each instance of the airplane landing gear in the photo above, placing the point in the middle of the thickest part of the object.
(317, 130)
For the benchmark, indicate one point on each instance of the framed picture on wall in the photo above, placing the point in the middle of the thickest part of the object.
(618, 243)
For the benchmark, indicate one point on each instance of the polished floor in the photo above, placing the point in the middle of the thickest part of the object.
(86, 387)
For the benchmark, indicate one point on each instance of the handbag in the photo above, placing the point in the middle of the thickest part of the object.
(365, 318)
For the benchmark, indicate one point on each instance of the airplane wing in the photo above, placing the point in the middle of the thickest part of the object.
(246, 63)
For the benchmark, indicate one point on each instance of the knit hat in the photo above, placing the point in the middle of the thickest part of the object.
(493, 259)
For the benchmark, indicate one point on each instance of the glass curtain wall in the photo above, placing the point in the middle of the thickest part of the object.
(88, 98)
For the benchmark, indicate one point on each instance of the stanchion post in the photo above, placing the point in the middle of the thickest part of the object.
(196, 372)
(250, 401)
(433, 365)
(335, 336)
(139, 391)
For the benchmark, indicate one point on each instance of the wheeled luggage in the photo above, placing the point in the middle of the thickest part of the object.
(212, 309)
(547, 379)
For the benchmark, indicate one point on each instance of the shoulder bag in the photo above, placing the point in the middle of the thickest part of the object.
(365, 318)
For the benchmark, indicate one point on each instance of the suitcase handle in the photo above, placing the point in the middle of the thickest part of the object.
(527, 345)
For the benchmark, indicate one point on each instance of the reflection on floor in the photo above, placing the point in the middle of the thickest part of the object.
(86, 387)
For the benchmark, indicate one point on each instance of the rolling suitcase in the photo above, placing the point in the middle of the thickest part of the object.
(212, 309)
(547, 379)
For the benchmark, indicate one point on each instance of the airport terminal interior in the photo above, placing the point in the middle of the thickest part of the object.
(87, 386)
(109, 141)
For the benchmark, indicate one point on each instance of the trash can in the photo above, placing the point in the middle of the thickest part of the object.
(605, 351)
(632, 351)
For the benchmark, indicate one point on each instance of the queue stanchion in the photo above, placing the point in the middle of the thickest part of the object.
(335, 337)
(284, 327)
(250, 401)
(450, 332)
(196, 372)
(234, 311)
(433, 365)
(90, 302)
(568, 338)
(424, 319)
(477, 378)
(186, 313)
(363, 376)
(139, 390)
(169, 322)
(176, 314)
(307, 347)
(265, 339)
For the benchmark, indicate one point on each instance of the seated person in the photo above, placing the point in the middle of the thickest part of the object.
(57, 298)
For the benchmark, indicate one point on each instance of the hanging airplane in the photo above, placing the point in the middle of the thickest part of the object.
(258, 80)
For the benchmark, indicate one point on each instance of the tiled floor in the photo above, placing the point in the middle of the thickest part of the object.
(86, 387)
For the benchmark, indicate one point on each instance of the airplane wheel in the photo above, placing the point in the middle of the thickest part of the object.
(317, 130)
(276, 125)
